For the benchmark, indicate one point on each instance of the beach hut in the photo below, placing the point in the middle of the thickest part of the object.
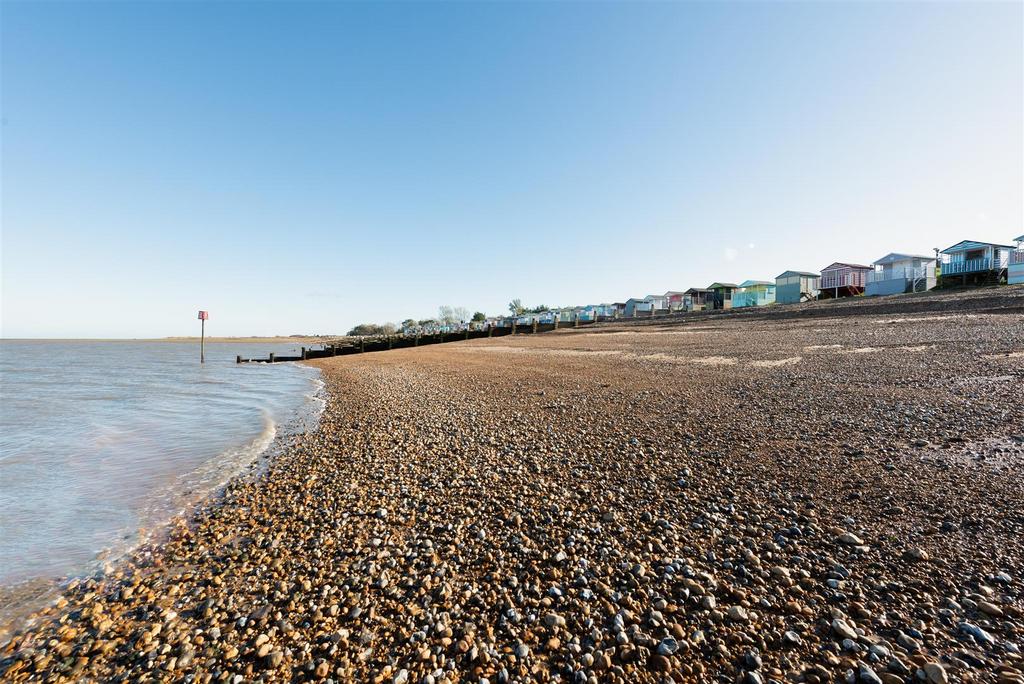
(793, 287)
(974, 263)
(843, 280)
(698, 299)
(898, 273)
(674, 300)
(637, 307)
(1015, 273)
(723, 294)
(753, 293)
(657, 302)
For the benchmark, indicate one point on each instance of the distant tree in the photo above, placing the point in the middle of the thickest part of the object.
(389, 329)
(364, 329)
(427, 322)
(449, 315)
(446, 315)
(409, 323)
(479, 316)
(515, 307)
(539, 309)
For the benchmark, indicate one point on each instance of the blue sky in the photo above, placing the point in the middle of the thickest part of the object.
(299, 168)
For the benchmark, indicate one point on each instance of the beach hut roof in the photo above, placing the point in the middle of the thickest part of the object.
(843, 264)
(786, 274)
(898, 256)
(965, 245)
(722, 286)
(697, 290)
(755, 283)
(1019, 238)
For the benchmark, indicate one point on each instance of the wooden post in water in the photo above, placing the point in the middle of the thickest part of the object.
(272, 355)
(238, 359)
(303, 353)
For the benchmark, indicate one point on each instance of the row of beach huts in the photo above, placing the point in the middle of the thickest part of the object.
(964, 264)
(967, 263)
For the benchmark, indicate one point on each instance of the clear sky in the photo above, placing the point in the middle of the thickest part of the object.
(299, 168)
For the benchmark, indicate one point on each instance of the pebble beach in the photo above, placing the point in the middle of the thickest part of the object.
(819, 493)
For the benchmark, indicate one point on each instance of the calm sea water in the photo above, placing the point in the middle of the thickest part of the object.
(101, 442)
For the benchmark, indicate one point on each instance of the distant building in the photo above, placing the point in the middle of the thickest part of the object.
(674, 300)
(843, 280)
(1015, 272)
(698, 299)
(899, 273)
(637, 307)
(658, 302)
(753, 293)
(793, 287)
(974, 263)
(723, 294)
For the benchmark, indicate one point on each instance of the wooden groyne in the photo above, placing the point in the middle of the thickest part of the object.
(379, 343)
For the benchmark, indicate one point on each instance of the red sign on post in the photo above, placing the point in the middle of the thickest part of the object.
(204, 315)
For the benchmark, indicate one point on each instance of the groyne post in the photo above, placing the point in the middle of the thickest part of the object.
(362, 345)
(303, 353)
(272, 355)
(534, 325)
(238, 359)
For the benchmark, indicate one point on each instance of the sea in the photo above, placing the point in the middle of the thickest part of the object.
(102, 443)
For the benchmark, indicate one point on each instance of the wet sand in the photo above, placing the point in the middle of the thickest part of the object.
(773, 497)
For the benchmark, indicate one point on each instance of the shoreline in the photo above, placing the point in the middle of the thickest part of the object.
(23, 602)
(196, 339)
(472, 508)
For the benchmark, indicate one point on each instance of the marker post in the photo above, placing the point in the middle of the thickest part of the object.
(203, 315)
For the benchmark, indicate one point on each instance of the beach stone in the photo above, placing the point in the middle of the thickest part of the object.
(936, 673)
(738, 614)
(843, 630)
(668, 646)
(990, 609)
(917, 554)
